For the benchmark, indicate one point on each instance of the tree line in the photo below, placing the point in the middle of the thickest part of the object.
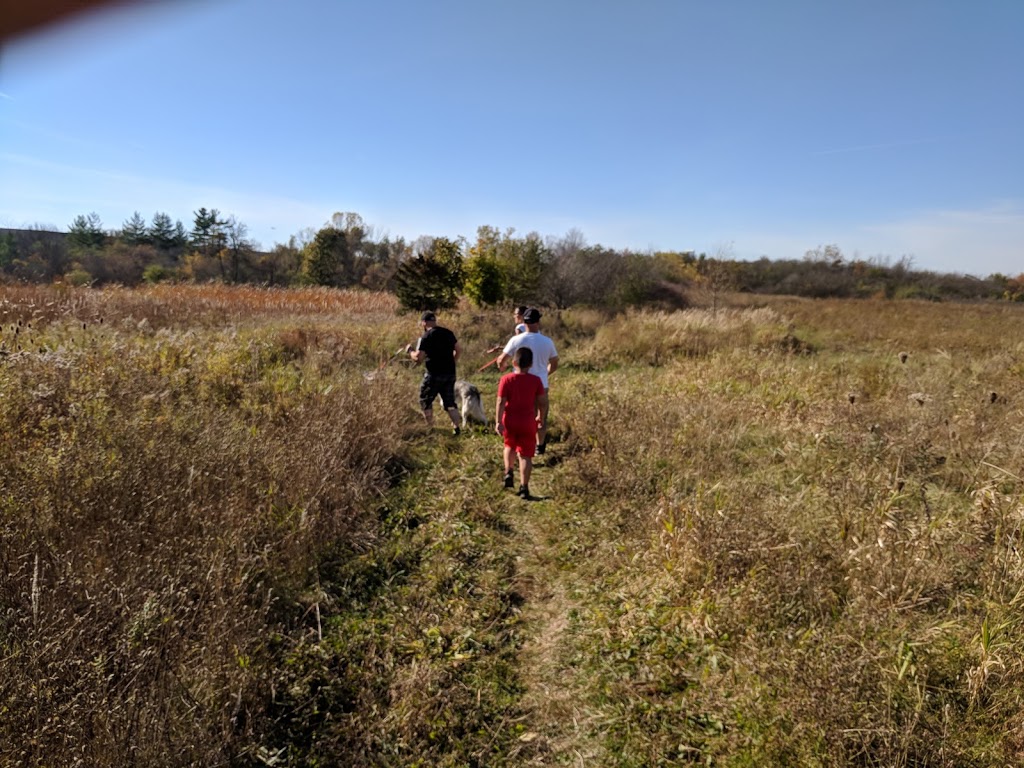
(497, 267)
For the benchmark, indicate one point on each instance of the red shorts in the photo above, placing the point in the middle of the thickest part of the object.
(522, 436)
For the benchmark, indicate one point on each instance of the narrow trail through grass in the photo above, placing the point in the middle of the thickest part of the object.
(460, 483)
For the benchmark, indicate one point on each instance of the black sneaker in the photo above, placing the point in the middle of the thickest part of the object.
(542, 447)
(456, 431)
(524, 492)
(509, 479)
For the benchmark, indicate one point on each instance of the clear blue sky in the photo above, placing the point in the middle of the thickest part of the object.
(735, 127)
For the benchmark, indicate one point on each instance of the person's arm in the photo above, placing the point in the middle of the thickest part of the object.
(499, 411)
(506, 354)
(552, 365)
(414, 352)
(520, 328)
(457, 351)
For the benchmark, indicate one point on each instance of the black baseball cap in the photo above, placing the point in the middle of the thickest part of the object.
(531, 315)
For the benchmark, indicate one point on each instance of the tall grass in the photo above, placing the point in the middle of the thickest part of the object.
(166, 500)
(784, 534)
(186, 305)
(806, 554)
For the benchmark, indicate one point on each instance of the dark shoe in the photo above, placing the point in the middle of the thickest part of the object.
(456, 431)
(542, 447)
(524, 492)
(509, 479)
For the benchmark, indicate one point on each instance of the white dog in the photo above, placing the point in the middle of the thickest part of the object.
(467, 400)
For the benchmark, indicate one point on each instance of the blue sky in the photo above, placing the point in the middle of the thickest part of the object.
(738, 127)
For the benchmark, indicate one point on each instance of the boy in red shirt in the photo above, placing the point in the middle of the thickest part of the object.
(522, 407)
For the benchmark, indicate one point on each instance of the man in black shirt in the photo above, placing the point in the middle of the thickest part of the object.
(438, 349)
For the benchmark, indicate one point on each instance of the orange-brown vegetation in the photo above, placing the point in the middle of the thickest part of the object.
(771, 532)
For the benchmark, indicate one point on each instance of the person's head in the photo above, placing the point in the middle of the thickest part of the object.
(429, 319)
(520, 311)
(531, 316)
(522, 358)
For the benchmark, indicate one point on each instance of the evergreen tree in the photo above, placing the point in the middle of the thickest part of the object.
(207, 234)
(180, 235)
(134, 231)
(433, 279)
(326, 256)
(161, 232)
(8, 249)
(86, 233)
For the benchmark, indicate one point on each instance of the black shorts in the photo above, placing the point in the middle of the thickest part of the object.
(434, 385)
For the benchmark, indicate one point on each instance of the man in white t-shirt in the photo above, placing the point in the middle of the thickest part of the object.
(545, 359)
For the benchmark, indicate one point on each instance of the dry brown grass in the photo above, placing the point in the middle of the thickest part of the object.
(770, 538)
(187, 305)
(166, 499)
(795, 576)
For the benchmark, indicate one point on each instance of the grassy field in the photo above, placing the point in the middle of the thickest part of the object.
(775, 533)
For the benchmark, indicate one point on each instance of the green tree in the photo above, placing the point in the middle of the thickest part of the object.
(521, 261)
(433, 279)
(86, 233)
(279, 266)
(162, 233)
(46, 256)
(325, 257)
(208, 235)
(8, 249)
(134, 231)
(485, 284)
(180, 236)
(362, 252)
(525, 269)
(638, 280)
(342, 253)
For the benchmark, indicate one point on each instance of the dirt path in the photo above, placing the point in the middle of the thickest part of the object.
(558, 730)
(562, 728)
